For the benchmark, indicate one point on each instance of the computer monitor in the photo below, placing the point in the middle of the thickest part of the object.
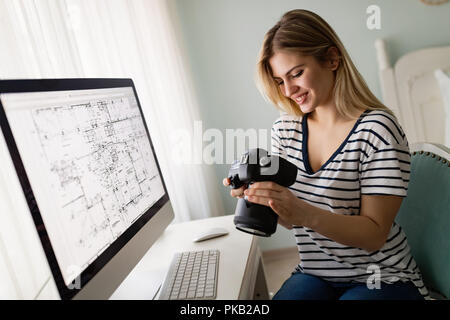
(89, 173)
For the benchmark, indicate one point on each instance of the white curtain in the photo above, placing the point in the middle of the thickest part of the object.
(99, 38)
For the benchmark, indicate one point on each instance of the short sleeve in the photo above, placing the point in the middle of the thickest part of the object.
(277, 147)
(387, 168)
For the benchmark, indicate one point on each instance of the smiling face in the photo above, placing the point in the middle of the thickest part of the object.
(304, 79)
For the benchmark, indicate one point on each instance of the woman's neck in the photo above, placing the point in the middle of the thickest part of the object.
(326, 116)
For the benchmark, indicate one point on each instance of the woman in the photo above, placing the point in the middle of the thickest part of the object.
(353, 169)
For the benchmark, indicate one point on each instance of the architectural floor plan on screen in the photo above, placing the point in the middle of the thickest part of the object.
(97, 171)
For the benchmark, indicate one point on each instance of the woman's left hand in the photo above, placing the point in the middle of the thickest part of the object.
(280, 199)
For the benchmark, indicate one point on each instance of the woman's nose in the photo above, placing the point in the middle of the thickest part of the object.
(290, 88)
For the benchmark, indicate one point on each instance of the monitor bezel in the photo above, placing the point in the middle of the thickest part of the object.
(41, 85)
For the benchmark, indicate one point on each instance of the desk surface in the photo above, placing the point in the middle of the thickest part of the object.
(235, 249)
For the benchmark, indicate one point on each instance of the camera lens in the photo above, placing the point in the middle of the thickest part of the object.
(251, 230)
(255, 219)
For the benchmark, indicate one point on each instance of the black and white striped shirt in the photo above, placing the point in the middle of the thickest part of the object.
(374, 159)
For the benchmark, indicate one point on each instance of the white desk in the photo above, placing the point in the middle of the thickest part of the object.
(240, 276)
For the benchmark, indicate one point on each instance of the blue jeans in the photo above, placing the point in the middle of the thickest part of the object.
(302, 286)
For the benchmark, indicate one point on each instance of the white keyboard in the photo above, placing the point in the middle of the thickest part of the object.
(192, 275)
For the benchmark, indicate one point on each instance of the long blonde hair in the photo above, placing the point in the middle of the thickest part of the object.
(306, 33)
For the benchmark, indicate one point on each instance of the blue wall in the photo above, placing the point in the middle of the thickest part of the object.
(222, 39)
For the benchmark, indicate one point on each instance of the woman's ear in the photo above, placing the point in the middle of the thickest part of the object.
(333, 58)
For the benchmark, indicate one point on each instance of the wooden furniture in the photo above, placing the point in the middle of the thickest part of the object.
(411, 90)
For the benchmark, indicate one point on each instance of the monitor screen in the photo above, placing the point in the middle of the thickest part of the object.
(87, 167)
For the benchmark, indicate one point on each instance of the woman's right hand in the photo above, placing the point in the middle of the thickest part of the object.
(236, 193)
(239, 193)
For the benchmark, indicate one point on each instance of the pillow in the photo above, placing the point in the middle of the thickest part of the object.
(444, 84)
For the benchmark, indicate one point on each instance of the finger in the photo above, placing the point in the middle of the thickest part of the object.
(226, 182)
(259, 200)
(263, 193)
(239, 193)
(269, 185)
(273, 206)
(276, 207)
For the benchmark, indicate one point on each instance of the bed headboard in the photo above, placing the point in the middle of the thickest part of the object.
(411, 90)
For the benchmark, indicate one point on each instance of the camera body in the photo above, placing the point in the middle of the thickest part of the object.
(257, 165)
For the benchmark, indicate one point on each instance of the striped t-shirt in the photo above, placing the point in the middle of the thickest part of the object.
(374, 159)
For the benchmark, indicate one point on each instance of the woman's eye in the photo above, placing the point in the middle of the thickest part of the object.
(298, 74)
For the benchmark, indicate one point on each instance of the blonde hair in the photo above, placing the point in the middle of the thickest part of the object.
(306, 33)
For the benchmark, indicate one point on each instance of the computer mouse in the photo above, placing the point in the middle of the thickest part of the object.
(210, 234)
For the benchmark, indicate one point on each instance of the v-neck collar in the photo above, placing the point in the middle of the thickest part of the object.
(305, 156)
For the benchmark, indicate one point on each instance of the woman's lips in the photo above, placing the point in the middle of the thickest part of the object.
(302, 98)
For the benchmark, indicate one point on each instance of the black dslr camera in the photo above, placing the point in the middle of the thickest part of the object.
(257, 165)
